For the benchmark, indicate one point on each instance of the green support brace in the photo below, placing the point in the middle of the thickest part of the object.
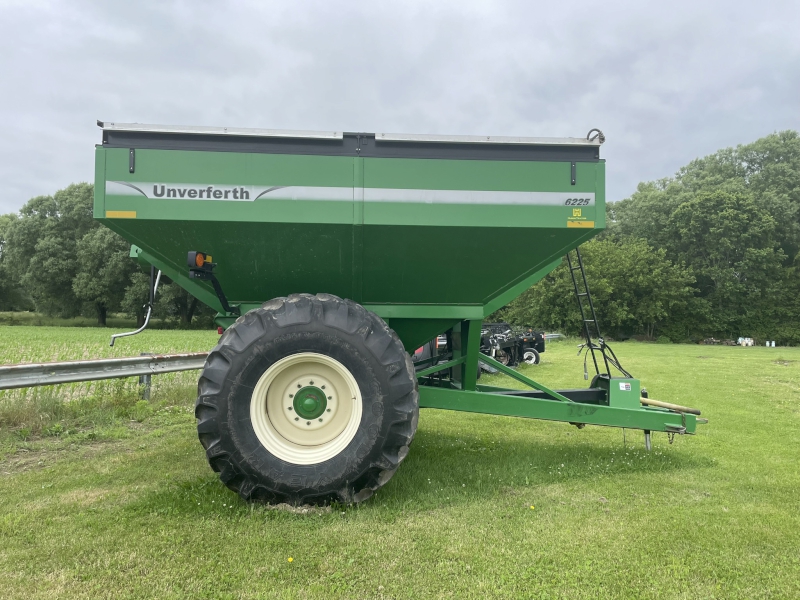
(552, 410)
(499, 401)
(522, 379)
(436, 368)
(467, 344)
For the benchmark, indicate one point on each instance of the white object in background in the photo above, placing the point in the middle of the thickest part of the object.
(773, 343)
(767, 343)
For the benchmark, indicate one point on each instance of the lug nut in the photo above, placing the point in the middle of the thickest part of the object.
(298, 385)
(288, 408)
(329, 410)
(308, 422)
(297, 418)
(323, 387)
(310, 383)
(329, 397)
(320, 420)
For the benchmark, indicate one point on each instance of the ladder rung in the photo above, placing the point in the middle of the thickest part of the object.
(583, 294)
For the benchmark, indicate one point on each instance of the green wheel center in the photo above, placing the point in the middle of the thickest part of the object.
(310, 403)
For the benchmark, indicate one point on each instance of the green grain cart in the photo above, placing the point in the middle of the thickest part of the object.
(329, 257)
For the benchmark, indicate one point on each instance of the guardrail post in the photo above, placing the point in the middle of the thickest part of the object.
(145, 381)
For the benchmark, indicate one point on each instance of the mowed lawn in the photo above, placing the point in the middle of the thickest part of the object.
(483, 506)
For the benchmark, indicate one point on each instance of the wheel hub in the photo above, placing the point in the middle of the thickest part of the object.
(310, 402)
(306, 408)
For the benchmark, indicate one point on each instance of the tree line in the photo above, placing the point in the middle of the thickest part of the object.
(712, 252)
(56, 259)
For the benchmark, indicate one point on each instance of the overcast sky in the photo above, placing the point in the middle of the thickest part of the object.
(665, 81)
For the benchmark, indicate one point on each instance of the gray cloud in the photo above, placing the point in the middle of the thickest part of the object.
(666, 82)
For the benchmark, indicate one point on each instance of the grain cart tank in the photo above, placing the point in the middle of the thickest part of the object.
(329, 256)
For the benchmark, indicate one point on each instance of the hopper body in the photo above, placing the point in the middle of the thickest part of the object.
(425, 231)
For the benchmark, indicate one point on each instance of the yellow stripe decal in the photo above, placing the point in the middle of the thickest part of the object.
(584, 224)
(120, 214)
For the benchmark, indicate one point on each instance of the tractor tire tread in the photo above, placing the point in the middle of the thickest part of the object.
(234, 351)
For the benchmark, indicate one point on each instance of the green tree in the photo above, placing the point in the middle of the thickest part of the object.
(137, 294)
(734, 219)
(182, 305)
(768, 169)
(729, 240)
(12, 297)
(104, 271)
(172, 302)
(40, 248)
(634, 288)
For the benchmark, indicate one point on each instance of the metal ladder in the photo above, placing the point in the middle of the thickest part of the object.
(590, 325)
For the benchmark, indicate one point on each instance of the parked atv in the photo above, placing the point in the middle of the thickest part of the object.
(512, 345)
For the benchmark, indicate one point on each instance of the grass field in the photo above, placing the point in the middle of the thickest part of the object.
(123, 504)
(114, 321)
(36, 319)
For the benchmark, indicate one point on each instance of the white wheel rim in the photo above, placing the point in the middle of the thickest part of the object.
(283, 431)
(530, 358)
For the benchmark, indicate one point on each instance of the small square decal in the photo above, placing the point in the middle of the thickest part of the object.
(625, 387)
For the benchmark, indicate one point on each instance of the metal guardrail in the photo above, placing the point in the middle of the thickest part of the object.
(30, 375)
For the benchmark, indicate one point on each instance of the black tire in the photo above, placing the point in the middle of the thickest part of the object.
(321, 324)
(505, 357)
(531, 356)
